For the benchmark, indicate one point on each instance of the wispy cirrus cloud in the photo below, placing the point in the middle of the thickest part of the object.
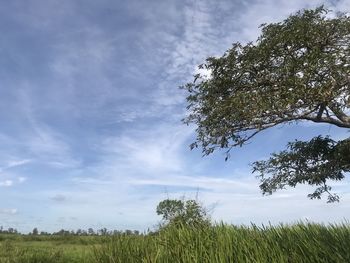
(12, 163)
(93, 113)
(155, 150)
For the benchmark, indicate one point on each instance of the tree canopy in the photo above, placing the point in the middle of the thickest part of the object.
(297, 70)
(182, 212)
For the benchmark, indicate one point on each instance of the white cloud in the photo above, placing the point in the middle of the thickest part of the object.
(152, 150)
(47, 141)
(268, 11)
(342, 6)
(12, 163)
(49, 147)
(9, 211)
(15, 163)
(245, 185)
(6, 183)
(199, 39)
(37, 140)
(22, 179)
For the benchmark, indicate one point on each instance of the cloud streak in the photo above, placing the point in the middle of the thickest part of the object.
(92, 113)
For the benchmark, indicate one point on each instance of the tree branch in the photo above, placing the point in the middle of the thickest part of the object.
(329, 120)
(334, 107)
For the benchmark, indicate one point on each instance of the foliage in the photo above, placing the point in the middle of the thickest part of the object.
(298, 70)
(227, 243)
(183, 243)
(311, 162)
(35, 232)
(186, 212)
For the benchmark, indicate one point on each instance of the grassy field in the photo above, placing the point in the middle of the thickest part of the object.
(47, 249)
(219, 243)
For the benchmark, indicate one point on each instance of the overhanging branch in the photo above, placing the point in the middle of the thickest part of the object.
(334, 107)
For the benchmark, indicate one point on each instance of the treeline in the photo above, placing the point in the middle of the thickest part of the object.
(78, 232)
(9, 230)
(174, 211)
(92, 232)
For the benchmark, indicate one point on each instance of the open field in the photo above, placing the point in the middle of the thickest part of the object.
(27, 248)
(220, 243)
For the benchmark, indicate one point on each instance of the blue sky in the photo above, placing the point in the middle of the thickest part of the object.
(90, 111)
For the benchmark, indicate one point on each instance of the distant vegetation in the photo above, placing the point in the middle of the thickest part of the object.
(186, 234)
(181, 243)
(80, 232)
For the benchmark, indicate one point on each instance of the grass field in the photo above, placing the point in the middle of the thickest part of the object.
(219, 243)
(46, 249)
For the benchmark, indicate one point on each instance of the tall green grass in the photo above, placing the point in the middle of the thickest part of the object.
(226, 243)
(179, 243)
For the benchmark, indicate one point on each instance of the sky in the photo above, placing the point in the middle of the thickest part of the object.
(90, 112)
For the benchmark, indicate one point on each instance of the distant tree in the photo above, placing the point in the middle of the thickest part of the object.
(298, 70)
(185, 212)
(117, 232)
(103, 231)
(128, 232)
(35, 232)
(62, 232)
(10, 230)
(91, 231)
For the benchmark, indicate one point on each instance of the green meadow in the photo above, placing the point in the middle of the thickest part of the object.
(47, 248)
(303, 242)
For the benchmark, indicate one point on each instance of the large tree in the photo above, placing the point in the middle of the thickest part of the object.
(297, 70)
